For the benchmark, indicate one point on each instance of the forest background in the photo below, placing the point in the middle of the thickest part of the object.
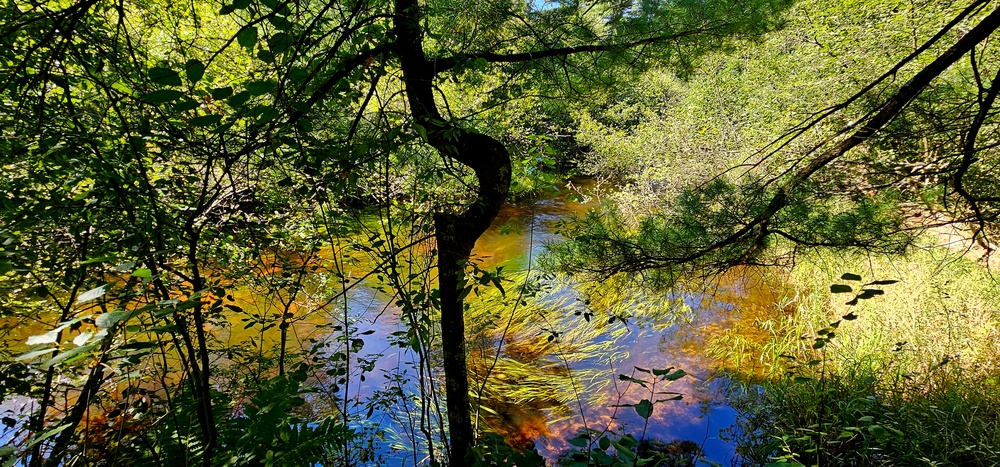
(169, 164)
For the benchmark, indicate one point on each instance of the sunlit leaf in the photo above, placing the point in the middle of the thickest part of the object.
(107, 320)
(82, 338)
(67, 355)
(47, 338)
(92, 294)
(35, 354)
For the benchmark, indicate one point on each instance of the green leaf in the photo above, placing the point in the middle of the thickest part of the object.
(239, 99)
(222, 93)
(280, 23)
(878, 431)
(247, 36)
(840, 288)
(579, 441)
(138, 345)
(46, 338)
(304, 124)
(144, 273)
(266, 113)
(102, 259)
(161, 96)
(632, 380)
(92, 294)
(850, 277)
(604, 443)
(259, 88)
(206, 120)
(644, 408)
(675, 375)
(869, 293)
(820, 343)
(111, 318)
(194, 70)
(164, 76)
(186, 104)
(34, 354)
(265, 56)
(280, 42)
(46, 435)
(67, 355)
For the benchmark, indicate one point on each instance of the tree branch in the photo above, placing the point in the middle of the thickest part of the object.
(441, 65)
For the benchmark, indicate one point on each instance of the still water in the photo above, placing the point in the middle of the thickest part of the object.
(544, 366)
(563, 351)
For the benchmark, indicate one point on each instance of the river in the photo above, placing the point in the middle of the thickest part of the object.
(560, 365)
(570, 351)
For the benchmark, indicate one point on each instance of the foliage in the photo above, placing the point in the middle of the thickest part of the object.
(197, 196)
(790, 148)
(672, 243)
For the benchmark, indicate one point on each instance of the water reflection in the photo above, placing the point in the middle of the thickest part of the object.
(564, 346)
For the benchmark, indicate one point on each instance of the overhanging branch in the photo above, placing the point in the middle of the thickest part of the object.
(445, 64)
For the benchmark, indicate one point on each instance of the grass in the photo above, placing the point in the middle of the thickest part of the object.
(912, 380)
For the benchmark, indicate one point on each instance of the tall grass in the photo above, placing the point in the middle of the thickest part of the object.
(913, 380)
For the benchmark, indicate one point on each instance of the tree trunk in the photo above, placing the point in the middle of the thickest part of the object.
(456, 233)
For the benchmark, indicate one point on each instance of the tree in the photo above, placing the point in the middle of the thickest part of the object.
(155, 142)
(798, 194)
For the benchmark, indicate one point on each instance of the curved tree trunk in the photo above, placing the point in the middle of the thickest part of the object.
(456, 233)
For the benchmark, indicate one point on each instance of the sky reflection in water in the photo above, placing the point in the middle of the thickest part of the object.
(518, 236)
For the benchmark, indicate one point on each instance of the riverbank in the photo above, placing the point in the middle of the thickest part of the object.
(904, 375)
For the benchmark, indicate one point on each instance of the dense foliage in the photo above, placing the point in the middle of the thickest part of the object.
(195, 198)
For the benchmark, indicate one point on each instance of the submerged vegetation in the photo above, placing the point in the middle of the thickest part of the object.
(263, 232)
